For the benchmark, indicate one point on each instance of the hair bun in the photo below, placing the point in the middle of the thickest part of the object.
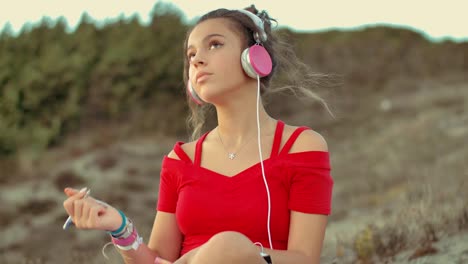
(263, 15)
(252, 9)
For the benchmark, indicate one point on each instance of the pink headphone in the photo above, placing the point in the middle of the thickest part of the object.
(255, 60)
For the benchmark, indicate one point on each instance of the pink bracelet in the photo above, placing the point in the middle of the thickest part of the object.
(126, 241)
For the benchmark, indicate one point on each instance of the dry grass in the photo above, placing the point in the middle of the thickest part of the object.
(398, 158)
(403, 175)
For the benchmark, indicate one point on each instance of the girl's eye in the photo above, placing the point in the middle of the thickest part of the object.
(190, 55)
(215, 45)
(212, 45)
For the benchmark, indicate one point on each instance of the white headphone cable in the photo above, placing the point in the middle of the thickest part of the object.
(261, 162)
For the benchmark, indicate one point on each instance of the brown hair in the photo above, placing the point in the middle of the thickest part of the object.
(282, 55)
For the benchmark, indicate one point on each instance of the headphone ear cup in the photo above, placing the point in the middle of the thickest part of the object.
(248, 69)
(193, 95)
(256, 61)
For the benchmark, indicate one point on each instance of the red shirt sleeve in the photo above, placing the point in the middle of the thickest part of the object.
(168, 194)
(311, 183)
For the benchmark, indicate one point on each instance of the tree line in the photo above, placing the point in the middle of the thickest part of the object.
(51, 80)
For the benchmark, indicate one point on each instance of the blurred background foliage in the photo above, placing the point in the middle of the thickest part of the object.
(53, 81)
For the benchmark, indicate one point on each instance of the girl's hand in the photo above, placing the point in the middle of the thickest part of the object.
(89, 213)
(185, 259)
(159, 260)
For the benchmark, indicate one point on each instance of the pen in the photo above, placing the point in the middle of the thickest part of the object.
(69, 220)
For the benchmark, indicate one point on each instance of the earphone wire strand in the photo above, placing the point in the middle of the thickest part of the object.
(261, 162)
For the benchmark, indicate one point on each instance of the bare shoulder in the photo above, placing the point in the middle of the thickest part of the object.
(308, 140)
(189, 149)
(173, 155)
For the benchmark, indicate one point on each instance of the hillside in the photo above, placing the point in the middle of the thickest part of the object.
(397, 145)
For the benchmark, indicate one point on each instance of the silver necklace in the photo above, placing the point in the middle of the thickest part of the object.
(231, 155)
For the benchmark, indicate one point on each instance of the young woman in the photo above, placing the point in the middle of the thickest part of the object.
(253, 190)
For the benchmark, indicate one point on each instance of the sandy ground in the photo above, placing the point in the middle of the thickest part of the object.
(418, 180)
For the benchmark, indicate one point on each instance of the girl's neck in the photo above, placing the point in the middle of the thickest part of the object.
(238, 124)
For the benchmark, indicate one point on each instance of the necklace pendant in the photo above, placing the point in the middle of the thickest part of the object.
(231, 156)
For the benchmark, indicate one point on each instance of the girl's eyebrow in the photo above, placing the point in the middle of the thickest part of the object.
(207, 37)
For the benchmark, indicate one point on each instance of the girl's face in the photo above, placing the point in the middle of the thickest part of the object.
(214, 52)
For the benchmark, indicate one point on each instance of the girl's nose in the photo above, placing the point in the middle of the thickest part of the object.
(198, 59)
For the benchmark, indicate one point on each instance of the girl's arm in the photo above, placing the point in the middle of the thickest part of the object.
(165, 242)
(89, 213)
(306, 234)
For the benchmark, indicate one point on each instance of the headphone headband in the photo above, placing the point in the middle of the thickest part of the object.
(259, 36)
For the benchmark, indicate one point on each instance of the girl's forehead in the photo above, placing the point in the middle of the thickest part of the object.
(211, 26)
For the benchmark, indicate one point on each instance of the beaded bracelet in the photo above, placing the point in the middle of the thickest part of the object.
(125, 241)
(133, 241)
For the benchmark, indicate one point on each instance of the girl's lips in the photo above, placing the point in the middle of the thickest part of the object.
(203, 78)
